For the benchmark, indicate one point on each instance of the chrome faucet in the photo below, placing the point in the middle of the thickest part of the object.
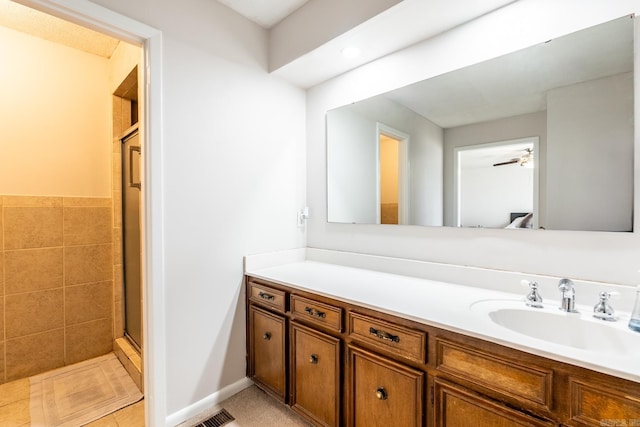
(603, 310)
(568, 301)
(533, 298)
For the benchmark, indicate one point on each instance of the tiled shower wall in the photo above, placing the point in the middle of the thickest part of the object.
(56, 282)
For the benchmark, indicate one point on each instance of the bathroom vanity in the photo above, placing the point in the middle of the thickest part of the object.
(350, 346)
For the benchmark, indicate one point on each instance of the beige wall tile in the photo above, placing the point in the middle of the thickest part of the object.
(87, 225)
(34, 354)
(32, 227)
(29, 270)
(117, 246)
(117, 115)
(117, 172)
(33, 312)
(1, 263)
(88, 302)
(88, 264)
(2, 334)
(117, 208)
(1, 233)
(118, 282)
(101, 202)
(32, 201)
(118, 319)
(87, 340)
(2, 377)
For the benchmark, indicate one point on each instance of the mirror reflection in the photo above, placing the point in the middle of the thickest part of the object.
(539, 138)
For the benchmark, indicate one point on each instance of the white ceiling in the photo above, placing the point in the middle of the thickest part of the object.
(402, 25)
(265, 13)
(518, 83)
(30, 21)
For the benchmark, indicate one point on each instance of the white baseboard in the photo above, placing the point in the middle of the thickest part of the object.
(207, 403)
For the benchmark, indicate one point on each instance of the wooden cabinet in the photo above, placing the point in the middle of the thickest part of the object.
(596, 404)
(339, 363)
(315, 375)
(526, 385)
(268, 363)
(456, 406)
(384, 392)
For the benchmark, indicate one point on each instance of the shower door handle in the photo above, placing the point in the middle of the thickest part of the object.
(134, 167)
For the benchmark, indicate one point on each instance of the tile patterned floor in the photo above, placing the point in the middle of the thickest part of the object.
(14, 409)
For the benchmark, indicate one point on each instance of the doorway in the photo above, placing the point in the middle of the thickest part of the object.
(101, 19)
(496, 183)
(392, 158)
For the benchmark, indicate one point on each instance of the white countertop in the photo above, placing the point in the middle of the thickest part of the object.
(449, 306)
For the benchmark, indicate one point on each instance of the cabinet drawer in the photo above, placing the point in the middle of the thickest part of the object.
(389, 337)
(456, 406)
(593, 405)
(316, 312)
(267, 296)
(315, 375)
(384, 392)
(528, 383)
(267, 348)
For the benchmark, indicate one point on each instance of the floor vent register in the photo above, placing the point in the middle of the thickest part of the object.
(218, 420)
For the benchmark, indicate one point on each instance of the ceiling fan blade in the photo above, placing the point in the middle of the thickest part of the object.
(510, 162)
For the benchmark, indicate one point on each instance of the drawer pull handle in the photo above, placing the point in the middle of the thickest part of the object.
(313, 359)
(384, 335)
(267, 336)
(381, 393)
(266, 296)
(313, 312)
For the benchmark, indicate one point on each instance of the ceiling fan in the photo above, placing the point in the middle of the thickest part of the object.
(525, 159)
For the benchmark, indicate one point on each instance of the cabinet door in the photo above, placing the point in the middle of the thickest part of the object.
(267, 352)
(456, 406)
(384, 392)
(315, 362)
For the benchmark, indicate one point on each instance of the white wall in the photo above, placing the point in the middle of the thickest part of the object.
(233, 178)
(600, 256)
(352, 172)
(55, 111)
(590, 165)
(489, 195)
(352, 176)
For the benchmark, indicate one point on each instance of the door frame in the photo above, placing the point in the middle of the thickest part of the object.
(101, 19)
(457, 151)
(403, 171)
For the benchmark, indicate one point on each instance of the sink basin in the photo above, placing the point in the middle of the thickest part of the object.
(576, 330)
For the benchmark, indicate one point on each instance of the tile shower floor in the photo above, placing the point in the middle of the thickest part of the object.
(250, 407)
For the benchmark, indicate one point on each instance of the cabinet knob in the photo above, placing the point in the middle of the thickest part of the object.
(381, 393)
(313, 359)
(267, 336)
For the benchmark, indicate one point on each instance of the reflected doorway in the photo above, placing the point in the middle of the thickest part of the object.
(393, 176)
(496, 183)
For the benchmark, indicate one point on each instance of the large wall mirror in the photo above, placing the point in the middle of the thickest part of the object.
(539, 138)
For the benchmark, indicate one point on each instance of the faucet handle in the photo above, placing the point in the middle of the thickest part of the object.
(603, 310)
(533, 298)
(565, 285)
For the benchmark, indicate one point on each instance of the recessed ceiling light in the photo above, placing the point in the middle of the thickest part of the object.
(350, 52)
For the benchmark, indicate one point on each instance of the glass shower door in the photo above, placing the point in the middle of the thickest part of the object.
(131, 188)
